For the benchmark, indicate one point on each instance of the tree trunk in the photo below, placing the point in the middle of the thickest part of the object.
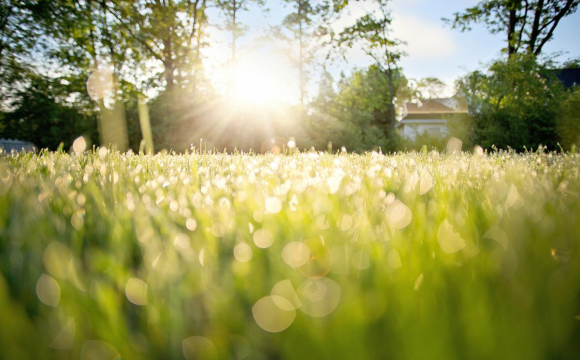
(535, 27)
(234, 33)
(168, 63)
(391, 98)
(512, 28)
(300, 61)
(233, 82)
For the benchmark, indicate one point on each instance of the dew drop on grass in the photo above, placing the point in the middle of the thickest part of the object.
(103, 152)
(293, 203)
(79, 145)
(449, 240)
(65, 335)
(241, 346)
(346, 222)
(98, 350)
(285, 290)
(182, 241)
(48, 290)
(418, 282)
(136, 291)
(191, 224)
(319, 297)
(496, 233)
(334, 183)
(100, 84)
(263, 238)
(273, 205)
(258, 216)
(218, 230)
(243, 252)
(320, 261)
(426, 182)
(270, 317)
(295, 254)
(199, 348)
(399, 215)
(56, 259)
(77, 221)
(321, 222)
(201, 257)
(512, 197)
(454, 145)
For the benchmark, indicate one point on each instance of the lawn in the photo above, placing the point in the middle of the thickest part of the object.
(420, 255)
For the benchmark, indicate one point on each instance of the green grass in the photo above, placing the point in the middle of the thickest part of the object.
(405, 256)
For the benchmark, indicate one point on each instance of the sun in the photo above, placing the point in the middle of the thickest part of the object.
(264, 78)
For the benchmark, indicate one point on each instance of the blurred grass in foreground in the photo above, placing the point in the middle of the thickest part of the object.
(310, 256)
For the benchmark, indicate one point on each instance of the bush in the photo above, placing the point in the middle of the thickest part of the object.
(515, 104)
(568, 123)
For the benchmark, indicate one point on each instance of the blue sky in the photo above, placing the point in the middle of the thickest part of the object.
(434, 49)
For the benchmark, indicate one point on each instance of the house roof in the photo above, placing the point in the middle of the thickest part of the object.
(436, 106)
(568, 77)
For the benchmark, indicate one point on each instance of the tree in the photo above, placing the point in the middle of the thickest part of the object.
(167, 32)
(357, 115)
(88, 43)
(20, 35)
(515, 104)
(371, 33)
(528, 24)
(299, 23)
(429, 87)
(38, 117)
(231, 10)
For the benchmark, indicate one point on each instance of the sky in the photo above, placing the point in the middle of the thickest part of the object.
(433, 48)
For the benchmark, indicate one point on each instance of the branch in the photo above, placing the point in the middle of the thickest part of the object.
(195, 18)
(525, 17)
(535, 26)
(557, 19)
(141, 41)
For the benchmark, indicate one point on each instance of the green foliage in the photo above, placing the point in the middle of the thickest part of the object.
(515, 104)
(39, 118)
(568, 121)
(301, 23)
(429, 87)
(528, 24)
(155, 47)
(412, 256)
(20, 36)
(371, 32)
(357, 116)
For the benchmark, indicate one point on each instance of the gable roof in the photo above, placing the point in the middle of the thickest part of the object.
(435, 106)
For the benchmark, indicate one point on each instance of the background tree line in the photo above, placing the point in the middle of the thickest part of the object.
(48, 50)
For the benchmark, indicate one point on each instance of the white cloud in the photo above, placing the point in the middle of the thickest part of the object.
(425, 40)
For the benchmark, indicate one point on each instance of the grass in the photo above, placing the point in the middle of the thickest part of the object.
(309, 256)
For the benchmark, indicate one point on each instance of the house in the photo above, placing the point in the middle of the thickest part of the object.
(10, 145)
(570, 77)
(429, 116)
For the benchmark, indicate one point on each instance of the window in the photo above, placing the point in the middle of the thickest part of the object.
(434, 131)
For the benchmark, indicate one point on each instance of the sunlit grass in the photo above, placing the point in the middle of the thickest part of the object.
(305, 256)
